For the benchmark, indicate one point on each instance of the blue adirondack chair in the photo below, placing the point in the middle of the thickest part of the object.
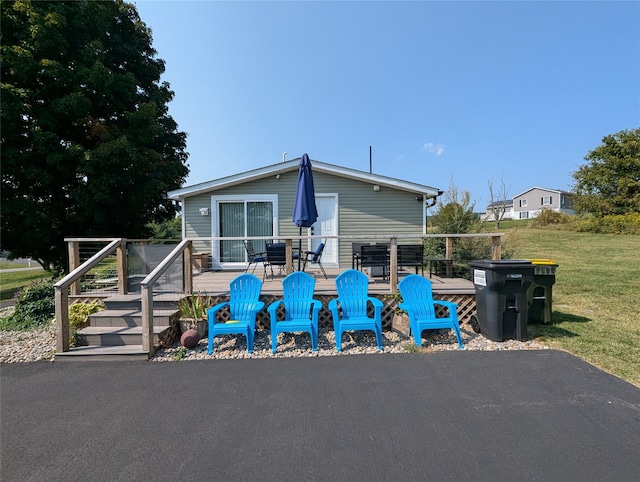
(300, 309)
(244, 305)
(419, 304)
(353, 300)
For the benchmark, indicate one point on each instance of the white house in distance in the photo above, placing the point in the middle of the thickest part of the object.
(530, 203)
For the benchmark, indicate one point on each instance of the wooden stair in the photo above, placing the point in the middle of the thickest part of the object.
(116, 332)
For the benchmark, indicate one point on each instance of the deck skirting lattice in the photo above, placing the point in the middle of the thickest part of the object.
(466, 307)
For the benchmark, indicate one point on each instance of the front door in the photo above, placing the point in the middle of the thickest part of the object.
(326, 225)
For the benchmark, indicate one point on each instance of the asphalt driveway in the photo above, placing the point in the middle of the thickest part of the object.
(516, 415)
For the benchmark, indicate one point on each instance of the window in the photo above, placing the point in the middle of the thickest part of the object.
(523, 203)
(240, 216)
(546, 200)
(524, 215)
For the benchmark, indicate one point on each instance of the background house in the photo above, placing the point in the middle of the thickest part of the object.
(494, 210)
(260, 203)
(531, 202)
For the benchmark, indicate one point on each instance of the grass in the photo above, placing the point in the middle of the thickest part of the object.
(595, 298)
(14, 280)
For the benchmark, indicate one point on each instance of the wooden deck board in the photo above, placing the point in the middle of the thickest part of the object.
(217, 283)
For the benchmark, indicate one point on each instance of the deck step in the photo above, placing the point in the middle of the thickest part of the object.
(134, 301)
(102, 353)
(114, 336)
(131, 317)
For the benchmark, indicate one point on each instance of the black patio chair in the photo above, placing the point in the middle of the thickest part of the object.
(253, 257)
(276, 256)
(411, 255)
(315, 257)
(355, 255)
(375, 255)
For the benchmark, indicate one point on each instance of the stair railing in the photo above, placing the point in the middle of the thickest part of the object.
(70, 281)
(185, 249)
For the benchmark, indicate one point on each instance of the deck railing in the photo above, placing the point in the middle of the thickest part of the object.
(71, 282)
(496, 245)
(183, 249)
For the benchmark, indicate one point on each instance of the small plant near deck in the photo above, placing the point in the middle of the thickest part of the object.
(194, 307)
(79, 316)
(412, 348)
(179, 354)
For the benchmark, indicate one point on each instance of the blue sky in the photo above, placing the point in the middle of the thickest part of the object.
(470, 91)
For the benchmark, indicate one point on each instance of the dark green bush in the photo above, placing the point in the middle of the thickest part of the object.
(35, 307)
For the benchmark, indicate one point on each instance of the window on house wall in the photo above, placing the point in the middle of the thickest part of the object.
(240, 218)
(523, 203)
(546, 200)
(524, 215)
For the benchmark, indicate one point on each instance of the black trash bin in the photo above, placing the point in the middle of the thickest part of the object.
(501, 297)
(540, 293)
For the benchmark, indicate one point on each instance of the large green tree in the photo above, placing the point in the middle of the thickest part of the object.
(610, 181)
(88, 146)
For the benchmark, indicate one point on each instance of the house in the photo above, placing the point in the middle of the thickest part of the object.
(499, 210)
(531, 202)
(260, 203)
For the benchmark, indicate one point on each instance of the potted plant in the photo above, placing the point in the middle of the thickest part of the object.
(193, 313)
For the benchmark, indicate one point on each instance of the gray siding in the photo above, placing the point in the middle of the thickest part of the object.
(361, 210)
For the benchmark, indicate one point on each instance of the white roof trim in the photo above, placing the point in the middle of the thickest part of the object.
(292, 165)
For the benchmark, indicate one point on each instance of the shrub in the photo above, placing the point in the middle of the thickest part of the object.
(614, 224)
(79, 316)
(550, 217)
(35, 306)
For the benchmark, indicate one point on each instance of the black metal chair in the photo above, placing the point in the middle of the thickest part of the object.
(253, 257)
(355, 255)
(411, 255)
(276, 256)
(375, 255)
(315, 257)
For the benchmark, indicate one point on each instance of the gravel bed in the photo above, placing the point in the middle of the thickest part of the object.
(353, 343)
(29, 346)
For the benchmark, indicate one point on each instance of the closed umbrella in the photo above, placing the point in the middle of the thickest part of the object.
(305, 212)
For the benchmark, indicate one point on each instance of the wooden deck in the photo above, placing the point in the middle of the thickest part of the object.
(457, 290)
(217, 283)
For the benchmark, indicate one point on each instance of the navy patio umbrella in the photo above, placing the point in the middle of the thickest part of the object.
(305, 212)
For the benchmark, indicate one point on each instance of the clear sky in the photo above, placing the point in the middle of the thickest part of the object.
(469, 91)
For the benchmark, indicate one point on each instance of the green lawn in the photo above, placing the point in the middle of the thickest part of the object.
(12, 281)
(596, 297)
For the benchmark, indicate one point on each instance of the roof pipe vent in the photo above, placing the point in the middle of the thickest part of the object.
(284, 154)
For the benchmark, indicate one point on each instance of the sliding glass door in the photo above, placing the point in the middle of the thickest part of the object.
(243, 218)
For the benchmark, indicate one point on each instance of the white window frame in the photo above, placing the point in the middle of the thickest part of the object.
(547, 200)
(215, 217)
(523, 203)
